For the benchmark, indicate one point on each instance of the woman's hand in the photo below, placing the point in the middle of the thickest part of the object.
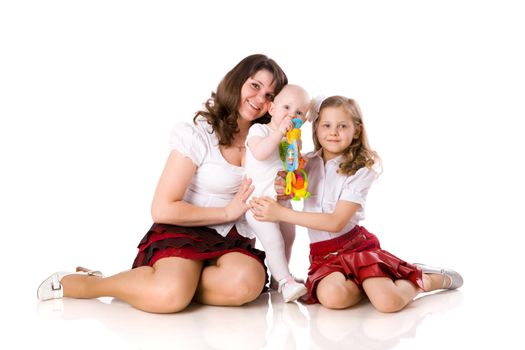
(238, 205)
(280, 185)
(266, 209)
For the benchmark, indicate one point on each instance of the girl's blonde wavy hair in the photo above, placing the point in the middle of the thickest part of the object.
(358, 154)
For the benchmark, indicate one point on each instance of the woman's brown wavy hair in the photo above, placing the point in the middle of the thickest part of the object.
(358, 154)
(221, 109)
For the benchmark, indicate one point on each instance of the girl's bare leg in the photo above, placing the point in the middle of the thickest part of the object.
(389, 296)
(336, 292)
(434, 281)
(235, 279)
(168, 286)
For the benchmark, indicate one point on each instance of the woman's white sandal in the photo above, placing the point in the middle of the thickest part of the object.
(51, 288)
(456, 280)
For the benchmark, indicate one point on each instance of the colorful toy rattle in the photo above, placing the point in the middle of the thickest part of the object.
(296, 178)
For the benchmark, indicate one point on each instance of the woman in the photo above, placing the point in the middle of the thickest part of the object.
(193, 251)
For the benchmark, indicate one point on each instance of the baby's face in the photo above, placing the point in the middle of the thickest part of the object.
(290, 102)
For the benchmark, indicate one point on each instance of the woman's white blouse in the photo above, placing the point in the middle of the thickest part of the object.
(215, 181)
(327, 187)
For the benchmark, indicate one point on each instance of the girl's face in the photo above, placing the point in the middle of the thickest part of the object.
(257, 93)
(335, 131)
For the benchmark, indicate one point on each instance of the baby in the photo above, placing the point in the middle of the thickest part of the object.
(262, 164)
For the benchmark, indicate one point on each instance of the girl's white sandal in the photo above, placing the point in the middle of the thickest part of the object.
(51, 288)
(456, 280)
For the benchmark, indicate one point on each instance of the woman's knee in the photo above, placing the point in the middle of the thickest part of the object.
(245, 285)
(168, 298)
(337, 295)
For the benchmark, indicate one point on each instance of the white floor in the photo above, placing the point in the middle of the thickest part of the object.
(267, 323)
(468, 318)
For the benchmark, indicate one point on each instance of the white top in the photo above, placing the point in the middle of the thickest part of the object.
(215, 181)
(262, 172)
(327, 187)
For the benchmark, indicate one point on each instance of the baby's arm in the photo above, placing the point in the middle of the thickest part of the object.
(267, 209)
(263, 147)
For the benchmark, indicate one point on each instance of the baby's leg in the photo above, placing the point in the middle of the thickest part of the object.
(387, 295)
(288, 232)
(272, 241)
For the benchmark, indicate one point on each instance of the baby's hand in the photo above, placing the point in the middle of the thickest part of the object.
(285, 125)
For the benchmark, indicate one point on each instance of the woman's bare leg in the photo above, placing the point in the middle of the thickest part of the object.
(389, 296)
(168, 286)
(235, 279)
(336, 292)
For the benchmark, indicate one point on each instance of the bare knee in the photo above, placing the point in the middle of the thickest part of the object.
(168, 298)
(244, 286)
(338, 296)
(388, 302)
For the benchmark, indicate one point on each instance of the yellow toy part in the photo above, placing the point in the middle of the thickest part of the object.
(297, 184)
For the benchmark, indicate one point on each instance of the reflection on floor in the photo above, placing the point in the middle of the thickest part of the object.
(267, 323)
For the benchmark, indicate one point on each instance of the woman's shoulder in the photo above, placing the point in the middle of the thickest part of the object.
(200, 126)
(191, 139)
(199, 129)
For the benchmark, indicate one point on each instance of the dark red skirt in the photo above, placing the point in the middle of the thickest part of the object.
(358, 256)
(196, 243)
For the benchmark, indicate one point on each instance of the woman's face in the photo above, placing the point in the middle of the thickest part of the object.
(256, 94)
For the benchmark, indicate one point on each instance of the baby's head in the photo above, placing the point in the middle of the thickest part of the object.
(293, 101)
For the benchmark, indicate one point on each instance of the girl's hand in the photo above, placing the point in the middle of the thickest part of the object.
(280, 185)
(238, 205)
(266, 209)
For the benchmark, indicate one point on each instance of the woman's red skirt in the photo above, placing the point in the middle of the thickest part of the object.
(358, 256)
(196, 243)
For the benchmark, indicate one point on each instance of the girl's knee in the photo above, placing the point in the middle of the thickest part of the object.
(388, 302)
(338, 296)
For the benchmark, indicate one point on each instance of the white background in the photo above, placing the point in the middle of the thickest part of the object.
(89, 91)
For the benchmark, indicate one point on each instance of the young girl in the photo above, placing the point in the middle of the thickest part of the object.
(345, 258)
(262, 163)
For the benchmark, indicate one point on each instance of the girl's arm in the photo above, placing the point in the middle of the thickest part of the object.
(168, 206)
(267, 209)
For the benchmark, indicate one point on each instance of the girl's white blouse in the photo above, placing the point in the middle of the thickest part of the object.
(327, 187)
(215, 181)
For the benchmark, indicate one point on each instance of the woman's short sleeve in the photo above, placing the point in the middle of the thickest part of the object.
(188, 140)
(355, 188)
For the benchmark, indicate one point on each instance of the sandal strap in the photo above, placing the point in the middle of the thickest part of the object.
(444, 276)
(55, 282)
(89, 271)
